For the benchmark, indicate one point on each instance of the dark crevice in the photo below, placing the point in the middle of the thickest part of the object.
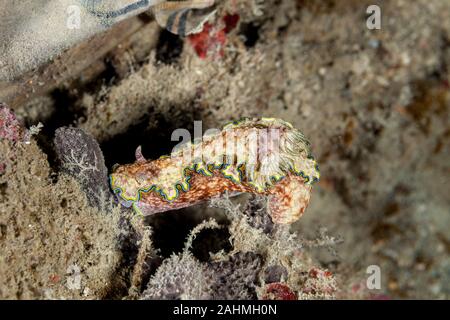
(169, 47)
(171, 229)
(251, 33)
(127, 143)
(108, 76)
(3, 188)
(211, 241)
(154, 140)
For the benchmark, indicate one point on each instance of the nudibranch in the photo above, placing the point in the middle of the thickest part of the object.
(261, 156)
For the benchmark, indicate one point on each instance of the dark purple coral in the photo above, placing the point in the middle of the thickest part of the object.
(81, 157)
(237, 277)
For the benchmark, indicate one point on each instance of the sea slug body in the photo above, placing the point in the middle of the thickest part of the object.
(261, 156)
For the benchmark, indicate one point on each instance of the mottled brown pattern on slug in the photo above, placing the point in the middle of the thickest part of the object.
(263, 156)
(288, 199)
(204, 188)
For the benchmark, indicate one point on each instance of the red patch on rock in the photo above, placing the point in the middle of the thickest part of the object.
(211, 39)
(279, 291)
(54, 278)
